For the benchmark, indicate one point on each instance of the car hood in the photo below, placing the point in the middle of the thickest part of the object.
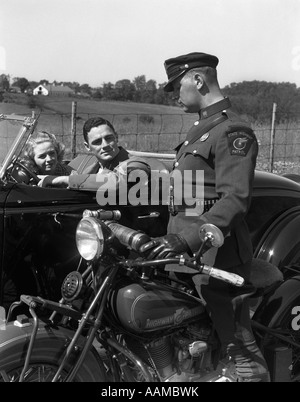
(266, 183)
(21, 195)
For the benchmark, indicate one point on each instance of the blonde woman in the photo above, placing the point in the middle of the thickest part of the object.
(43, 155)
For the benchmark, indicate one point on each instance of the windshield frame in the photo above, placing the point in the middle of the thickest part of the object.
(27, 128)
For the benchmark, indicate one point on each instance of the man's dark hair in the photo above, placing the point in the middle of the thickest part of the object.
(209, 73)
(95, 122)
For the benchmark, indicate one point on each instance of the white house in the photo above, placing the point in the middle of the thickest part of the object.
(53, 90)
(40, 90)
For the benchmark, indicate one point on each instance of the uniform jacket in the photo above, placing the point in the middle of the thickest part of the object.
(227, 155)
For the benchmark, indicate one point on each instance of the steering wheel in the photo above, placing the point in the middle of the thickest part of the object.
(30, 175)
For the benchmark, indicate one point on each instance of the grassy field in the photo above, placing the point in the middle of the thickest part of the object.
(143, 127)
(63, 105)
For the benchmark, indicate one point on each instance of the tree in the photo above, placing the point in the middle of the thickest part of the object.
(22, 83)
(125, 90)
(4, 82)
(162, 97)
(97, 94)
(151, 86)
(33, 84)
(108, 91)
(85, 88)
(255, 99)
(148, 95)
(140, 83)
(140, 86)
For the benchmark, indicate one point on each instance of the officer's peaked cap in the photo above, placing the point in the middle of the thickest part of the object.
(177, 66)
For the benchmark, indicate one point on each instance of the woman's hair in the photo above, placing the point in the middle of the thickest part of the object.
(44, 136)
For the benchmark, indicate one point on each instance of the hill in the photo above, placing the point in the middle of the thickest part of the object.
(87, 106)
(63, 105)
(140, 126)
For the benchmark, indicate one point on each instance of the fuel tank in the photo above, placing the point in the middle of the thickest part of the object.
(152, 307)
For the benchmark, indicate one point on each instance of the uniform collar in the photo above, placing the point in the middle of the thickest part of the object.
(214, 108)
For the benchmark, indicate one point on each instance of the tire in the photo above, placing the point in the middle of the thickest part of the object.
(277, 305)
(276, 313)
(285, 324)
(45, 359)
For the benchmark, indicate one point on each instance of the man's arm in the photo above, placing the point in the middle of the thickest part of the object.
(111, 178)
(92, 182)
(53, 181)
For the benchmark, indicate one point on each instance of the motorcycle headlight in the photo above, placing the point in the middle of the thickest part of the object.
(89, 238)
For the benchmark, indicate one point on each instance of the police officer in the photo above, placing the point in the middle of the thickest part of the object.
(225, 148)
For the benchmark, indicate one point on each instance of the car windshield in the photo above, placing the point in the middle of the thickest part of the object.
(14, 132)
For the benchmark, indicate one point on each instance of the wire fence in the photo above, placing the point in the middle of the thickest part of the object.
(279, 145)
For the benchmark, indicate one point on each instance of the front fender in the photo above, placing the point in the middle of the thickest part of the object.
(14, 341)
(276, 307)
(280, 245)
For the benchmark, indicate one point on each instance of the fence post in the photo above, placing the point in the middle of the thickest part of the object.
(73, 129)
(272, 138)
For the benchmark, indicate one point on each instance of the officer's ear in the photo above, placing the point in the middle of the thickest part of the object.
(198, 80)
(86, 145)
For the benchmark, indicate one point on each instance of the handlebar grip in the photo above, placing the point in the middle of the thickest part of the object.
(102, 214)
(225, 276)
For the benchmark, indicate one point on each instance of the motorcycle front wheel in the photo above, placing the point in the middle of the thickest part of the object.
(45, 359)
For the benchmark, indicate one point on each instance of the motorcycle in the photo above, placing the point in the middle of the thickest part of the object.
(122, 318)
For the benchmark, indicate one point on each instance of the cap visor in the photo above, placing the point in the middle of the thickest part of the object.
(169, 85)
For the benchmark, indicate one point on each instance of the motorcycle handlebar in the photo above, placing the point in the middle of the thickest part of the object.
(225, 276)
(103, 214)
(132, 237)
(216, 273)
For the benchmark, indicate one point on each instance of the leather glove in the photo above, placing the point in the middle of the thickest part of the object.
(165, 247)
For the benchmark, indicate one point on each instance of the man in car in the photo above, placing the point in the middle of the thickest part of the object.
(106, 167)
(225, 148)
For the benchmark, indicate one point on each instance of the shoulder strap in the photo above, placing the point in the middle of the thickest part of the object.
(193, 137)
(209, 127)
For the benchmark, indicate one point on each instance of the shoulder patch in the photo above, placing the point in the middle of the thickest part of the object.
(239, 143)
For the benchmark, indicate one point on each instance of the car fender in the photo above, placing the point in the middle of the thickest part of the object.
(278, 304)
(280, 244)
(14, 340)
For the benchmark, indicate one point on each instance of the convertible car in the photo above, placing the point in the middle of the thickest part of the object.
(37, 236)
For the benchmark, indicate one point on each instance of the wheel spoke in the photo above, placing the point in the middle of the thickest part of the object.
(35, 373)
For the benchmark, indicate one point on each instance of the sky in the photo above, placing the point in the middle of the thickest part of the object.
(100, 41)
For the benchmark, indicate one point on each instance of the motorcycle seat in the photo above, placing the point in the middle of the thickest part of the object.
(264, 276)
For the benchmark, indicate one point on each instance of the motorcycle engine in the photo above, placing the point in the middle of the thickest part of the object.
(185, 356)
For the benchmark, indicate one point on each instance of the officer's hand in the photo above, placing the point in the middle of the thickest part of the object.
(165, 247)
